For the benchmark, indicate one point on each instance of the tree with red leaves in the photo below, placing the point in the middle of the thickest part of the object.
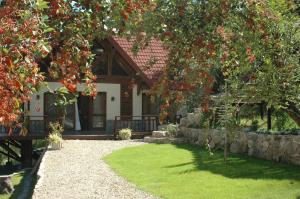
(253, 43)
(61, 32)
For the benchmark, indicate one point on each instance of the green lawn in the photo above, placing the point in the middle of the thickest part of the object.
(188, 171)
(17, 181)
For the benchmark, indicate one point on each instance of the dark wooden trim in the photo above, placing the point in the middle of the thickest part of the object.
(114, 50)
(143, 123)
(26, 153)
(103, 115)
(125, 66)
(103, 136)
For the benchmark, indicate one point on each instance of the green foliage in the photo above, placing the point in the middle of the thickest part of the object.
(60, 35)
(55, 133)
(254, 126)
(41, 4)
(253, 45)
(124, 134)
(64, 97)
(194, 100)
(282, 121)
(188, 171)
(37, 144)
(226, 110)
(172, 130)
(205, 121)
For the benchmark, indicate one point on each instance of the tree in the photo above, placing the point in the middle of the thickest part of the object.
(56, 33)
(254, 43)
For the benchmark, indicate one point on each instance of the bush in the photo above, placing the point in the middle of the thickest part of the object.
(55, 127)
(55, 138)
(55, 133)
(254, 126)
(124, 134)
(172, 130)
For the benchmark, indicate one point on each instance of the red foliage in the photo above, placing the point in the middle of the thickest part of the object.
(26, 38)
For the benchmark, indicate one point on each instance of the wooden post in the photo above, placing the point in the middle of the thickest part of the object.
(115, 127)
(226, 109)
(26, 153)
(269, 116)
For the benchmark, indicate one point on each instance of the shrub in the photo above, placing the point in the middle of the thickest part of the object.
(55, 127)
(124, 134)
(172, 129)
(254, 126)
(55, 138)
(55, 133)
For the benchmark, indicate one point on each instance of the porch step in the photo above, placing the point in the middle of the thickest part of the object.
(74, 136)
(139, 135)
(89, 137)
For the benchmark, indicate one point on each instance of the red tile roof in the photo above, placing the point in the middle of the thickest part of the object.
(150, 61)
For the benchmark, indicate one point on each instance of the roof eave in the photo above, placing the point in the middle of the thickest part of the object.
(130, 61)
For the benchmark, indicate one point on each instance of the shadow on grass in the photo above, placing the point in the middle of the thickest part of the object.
(25, 188)
(19, 187)
(238, 166)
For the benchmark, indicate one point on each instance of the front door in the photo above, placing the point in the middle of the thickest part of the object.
(92, 112)
(83, 109)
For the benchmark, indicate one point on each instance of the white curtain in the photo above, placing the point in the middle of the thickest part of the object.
(77, 120)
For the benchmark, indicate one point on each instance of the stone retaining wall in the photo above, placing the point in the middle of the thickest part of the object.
(280, 148)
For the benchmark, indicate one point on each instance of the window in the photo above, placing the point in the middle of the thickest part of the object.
(100, 64)
(149, 107)
(99, 111)
(117, 68)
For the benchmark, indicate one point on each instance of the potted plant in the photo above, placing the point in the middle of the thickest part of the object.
(55, 137)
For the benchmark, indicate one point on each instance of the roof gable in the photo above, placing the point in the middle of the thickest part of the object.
(154, 52)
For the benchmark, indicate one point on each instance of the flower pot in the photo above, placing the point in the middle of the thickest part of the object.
(56, 146)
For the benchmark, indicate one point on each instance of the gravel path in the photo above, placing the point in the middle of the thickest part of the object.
(78, 171)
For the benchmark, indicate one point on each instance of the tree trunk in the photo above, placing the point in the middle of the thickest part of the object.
(225, 147)
(293, 111)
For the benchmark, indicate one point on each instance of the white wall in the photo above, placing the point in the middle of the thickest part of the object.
(112, 90)
(113, 108)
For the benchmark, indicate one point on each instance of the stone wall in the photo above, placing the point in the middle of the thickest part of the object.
(279, 148)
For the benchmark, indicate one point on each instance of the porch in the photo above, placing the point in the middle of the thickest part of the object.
(38, 128)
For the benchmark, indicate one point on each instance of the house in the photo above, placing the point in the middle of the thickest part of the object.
(122, 82)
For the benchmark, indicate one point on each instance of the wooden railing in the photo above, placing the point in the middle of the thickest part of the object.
(36, 125)
(145, 123)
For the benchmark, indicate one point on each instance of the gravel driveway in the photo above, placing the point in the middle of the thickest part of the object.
(78, 171)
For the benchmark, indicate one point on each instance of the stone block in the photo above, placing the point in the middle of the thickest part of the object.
(159, 134)
(280, 148)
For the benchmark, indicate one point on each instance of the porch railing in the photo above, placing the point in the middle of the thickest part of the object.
(36, 125)
(145, 123)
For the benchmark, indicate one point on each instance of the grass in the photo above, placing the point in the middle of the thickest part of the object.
(17, 181)
(188, 171)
